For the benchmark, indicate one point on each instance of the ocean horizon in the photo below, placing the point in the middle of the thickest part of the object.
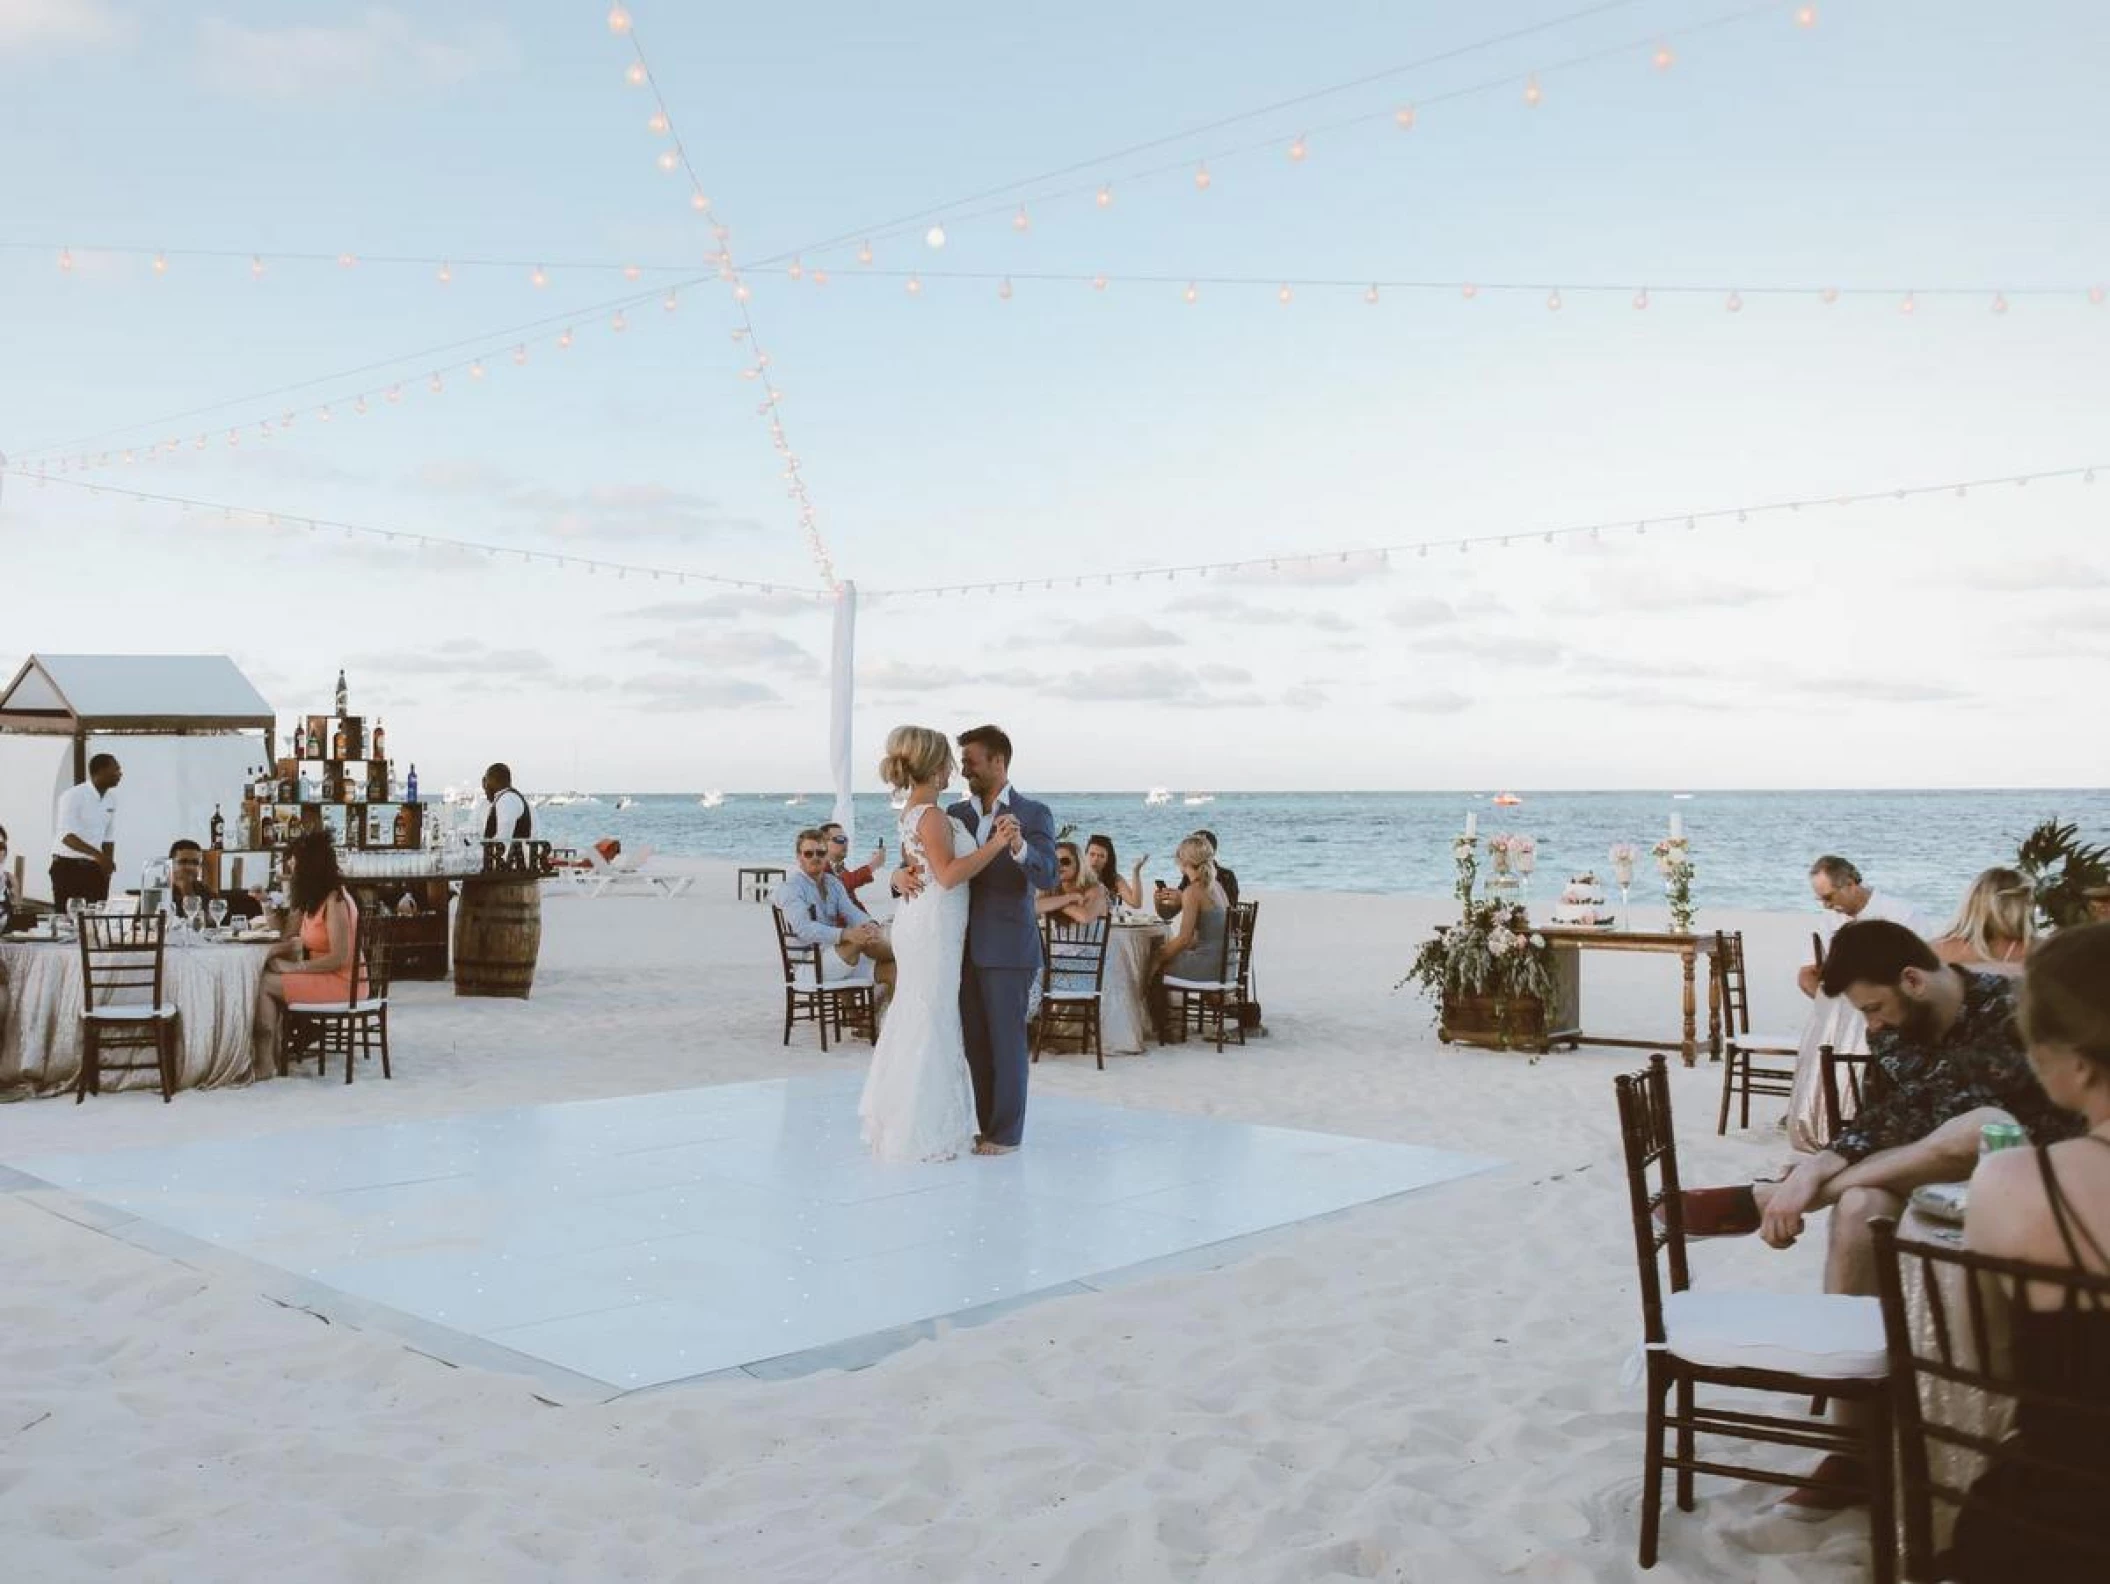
(1751, 849)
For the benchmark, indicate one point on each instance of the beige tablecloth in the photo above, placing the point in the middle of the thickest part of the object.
(1124, 1015)
(1835, 1022)
(1947, 1402)
(213, 989)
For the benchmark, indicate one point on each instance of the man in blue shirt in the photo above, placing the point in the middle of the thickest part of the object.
(821, 912)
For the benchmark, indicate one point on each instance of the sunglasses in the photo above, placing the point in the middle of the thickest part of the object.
(813, 852)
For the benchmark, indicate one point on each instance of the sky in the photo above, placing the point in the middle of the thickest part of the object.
(1092, 439)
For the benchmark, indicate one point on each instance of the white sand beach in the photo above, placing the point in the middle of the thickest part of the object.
(1428, 1388)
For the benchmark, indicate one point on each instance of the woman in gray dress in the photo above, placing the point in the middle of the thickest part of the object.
(1195, 948)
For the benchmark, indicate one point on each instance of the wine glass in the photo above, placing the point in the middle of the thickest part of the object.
(216, 911)
(193, 905)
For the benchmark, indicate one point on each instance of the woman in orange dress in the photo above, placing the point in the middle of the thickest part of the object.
(313, 968)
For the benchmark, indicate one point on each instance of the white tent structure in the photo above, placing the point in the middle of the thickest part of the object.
(186, 728)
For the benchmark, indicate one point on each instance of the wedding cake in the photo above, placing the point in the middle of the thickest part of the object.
(1582, 905)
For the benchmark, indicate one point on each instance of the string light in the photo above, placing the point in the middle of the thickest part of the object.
(65, 261)
(437, 384)
(1663, 59)
(1192, 294)
(1201, 177)
(1099, 283)
(670, 302)
(538, 277)
(1806, 16)
(864, 252)
(476, 369)
(915, 287)
(634, 75)
(1298, 150)
(699, 200)
(934, 238)
(1106, 197)
(564, 337)
(669, 161)
(345, 261)
(1999, 303)
(1553, 301)
(631, 272)
(658, 123)
(619, 324)
(161, 263)
(1532, 94)
(446, 272)
(1403, 118)
(1468, 291)
(1734, 302)
(618, 20)
(1284, 295)
(256, 267)
(1641, 298)
(1370, 296)
(1908, 305)
(2095, 295)
(1020, 221)
(1004, 291)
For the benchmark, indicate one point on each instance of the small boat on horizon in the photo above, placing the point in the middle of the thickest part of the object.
(1507, 800)
(567, 799)
(1156, 797)
(622, 803)
(1197, 799)
(711, 799)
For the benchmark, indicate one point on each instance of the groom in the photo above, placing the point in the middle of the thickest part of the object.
(1003, 937)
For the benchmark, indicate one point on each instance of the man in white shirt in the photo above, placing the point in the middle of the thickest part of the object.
(1839, 889)
(84, 839)
(510, 818)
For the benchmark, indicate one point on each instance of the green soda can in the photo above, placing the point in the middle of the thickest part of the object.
(2000, 1136)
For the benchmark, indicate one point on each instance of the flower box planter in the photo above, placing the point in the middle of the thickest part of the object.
(1476, 1020)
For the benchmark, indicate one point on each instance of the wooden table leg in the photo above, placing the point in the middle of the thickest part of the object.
(1689, 1049)
(1714, 1009)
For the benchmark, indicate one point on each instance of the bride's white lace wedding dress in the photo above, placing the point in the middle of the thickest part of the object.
(918, 1100)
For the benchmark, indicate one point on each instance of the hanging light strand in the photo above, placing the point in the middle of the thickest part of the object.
(1309, 559)
(770, 408)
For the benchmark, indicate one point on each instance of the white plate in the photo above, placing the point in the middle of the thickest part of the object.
(1942, 1201)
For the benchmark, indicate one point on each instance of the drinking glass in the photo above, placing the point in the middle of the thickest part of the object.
(75, 907)
(193, 905)
(216, 911)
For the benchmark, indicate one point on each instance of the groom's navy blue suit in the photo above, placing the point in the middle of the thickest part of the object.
(1003, 955)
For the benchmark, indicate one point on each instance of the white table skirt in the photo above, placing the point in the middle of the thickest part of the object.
(1124, 1018)
(1836, 1022)
(213, 989)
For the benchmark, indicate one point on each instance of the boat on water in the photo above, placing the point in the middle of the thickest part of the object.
(711, 799)
(622, 803)
(1197, 799)
(1507, 800)
(793, 802)
(1681, 797)
(567, 799)
(1156, 797)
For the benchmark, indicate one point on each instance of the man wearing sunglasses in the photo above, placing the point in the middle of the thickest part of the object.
(822, 913)
(839, 861)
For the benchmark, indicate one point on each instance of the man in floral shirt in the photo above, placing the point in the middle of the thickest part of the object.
(1952, 1061)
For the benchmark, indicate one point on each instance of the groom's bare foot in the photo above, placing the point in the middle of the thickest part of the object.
(985, 1147)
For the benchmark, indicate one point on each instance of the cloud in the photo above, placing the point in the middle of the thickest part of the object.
(58, 27)
(1155, 684)
(1246, 613)
(1423, 610)
(732, 650)
(382, 49)
(495, 668)
(731, 605)
(899, 677)
(1315, 571)
(675, 690)
(2051, 575)
(632, 512)
(1490, 648)
(1114, 632)
(1434, 701)
(1306, 697)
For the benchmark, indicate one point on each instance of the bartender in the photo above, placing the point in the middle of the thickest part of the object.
(510, 818)
(82, 851)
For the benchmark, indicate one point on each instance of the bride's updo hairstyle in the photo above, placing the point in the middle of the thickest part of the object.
(1199, 853)
(914, 754)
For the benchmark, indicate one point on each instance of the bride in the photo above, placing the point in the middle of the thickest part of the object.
(918, 1100)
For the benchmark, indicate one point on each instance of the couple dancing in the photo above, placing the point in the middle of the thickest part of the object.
(949, 1072)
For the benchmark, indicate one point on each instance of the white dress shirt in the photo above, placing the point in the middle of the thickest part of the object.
(86, 813)
(1884, 905)
(1002, 805)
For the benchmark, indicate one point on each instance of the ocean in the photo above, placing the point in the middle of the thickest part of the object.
(1750, 849)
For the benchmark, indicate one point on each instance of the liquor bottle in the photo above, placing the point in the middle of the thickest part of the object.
(300, 739)
(340, 691)
(267, 836)
(219, 830)
(337, 744)
(410, 786)
(379, 750)
(403, 826)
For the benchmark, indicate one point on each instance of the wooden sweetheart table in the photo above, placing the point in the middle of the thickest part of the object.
(1570, 943)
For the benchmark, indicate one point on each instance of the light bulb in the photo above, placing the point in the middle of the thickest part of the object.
(619, 324)
(699, 201)
(820, 277)
(395, 393)
(437, 384)
(1532, 96)
(1370, 296)
(446, 272)
(359, 404)
(1553, 300)
(1641, 298)
(1297, 149)
(345, 261)
(864, 252)
(934, 237)
(161, 264)
(520, 354)
(1201, 177)
(658, 123)
(669, 160)
(618, 20)
(1830, 295)
(65, 261)
(1191, 293)
(1806, 16)
(564, 337)
(538, 277)
(256, 267)
(740, 292)
(476, 368)
(671, 301)
(1908, 305)
(1020, 221)
(1106, 197)
(1403, 118)
(2095, 295)
(796, 270)
(1663, 59)
(1284, 295)
(915, 287)
(631, 272)
(1004, 291)
(1468, 291)
(1098, 283)
(1734, 302)
(635, 74)
(198, 444)
(1999, 303)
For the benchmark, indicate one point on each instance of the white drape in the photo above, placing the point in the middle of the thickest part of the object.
(842, 695)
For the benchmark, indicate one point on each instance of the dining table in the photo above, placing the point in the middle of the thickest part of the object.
(211, 983)
(1124, 1003)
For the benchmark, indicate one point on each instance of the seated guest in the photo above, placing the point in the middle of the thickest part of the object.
(1946, 1042)
(1839, 888)
(820, 913)
(1077, 897)
(1168, 897)
(839, 861)
(2050, 1206)
(1101, 864)
(1996, 926)
(187, 879)
(1195, 948)
(313, 967)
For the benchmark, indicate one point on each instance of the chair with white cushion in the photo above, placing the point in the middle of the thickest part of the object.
(356, 1027)
(123, 1008)
(1739, 1076)
(1796, 1344)
(1074, 959)
(1218, 1003)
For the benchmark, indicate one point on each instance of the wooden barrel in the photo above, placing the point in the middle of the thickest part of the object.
(497, 936)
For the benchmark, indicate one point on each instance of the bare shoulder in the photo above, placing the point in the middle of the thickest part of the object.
(2007, 1201)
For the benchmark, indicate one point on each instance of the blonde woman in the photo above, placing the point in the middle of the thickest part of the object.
(1996, 926)
(918, 1102)
(1195, 948)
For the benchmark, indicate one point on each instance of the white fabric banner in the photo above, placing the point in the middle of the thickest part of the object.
(842, 696)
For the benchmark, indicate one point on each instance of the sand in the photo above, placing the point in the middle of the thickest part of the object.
(1427, 1389)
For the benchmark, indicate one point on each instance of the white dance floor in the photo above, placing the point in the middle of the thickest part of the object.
(654, 1238)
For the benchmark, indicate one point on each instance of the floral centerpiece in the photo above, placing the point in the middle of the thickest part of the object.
(1489, 974)
(1674, 860)
(1624, 856)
